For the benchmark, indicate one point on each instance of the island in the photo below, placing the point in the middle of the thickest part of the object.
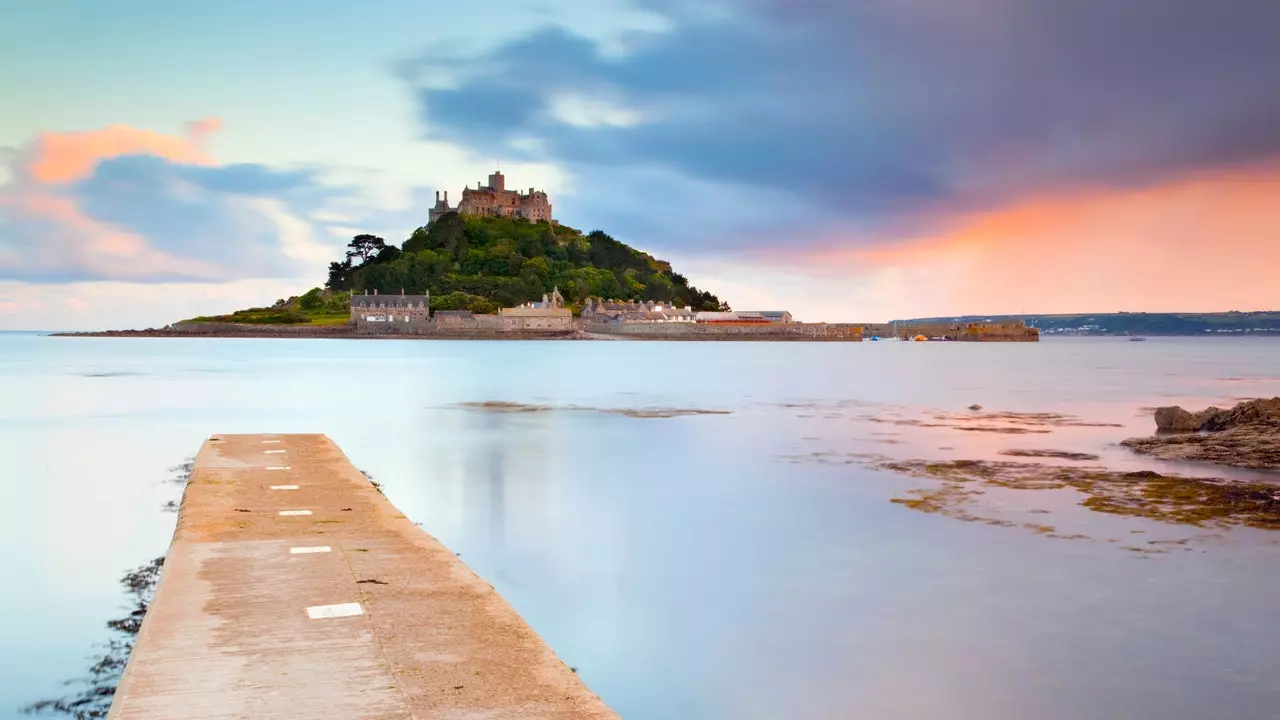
(500, 266)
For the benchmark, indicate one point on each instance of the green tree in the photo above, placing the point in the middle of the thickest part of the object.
(364, 247)
(312, 299)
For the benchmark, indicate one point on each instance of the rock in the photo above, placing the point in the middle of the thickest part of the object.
(975, 407)
(1246, 412)
(1247, 435)
(1175, 419)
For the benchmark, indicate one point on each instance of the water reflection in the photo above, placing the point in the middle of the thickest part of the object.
(677, 561)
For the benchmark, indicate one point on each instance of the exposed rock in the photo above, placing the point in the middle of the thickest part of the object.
(1253, 411)
(1175, 419)
(1247, 435)
(1198, 501)
(1059, 454)
(502, 406)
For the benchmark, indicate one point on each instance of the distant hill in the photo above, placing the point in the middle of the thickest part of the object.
(1127, 323)
(482, 264)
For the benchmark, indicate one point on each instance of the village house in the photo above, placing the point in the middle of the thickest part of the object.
(455, 320)
(370, 311)
(549, 315)
(614, 312)
(495, 200)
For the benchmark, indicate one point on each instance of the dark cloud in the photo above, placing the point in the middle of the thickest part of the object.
(864, 110)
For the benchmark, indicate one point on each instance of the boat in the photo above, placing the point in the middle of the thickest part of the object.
(1135, 338)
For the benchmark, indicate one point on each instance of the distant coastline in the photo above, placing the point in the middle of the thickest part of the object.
(1265, 322)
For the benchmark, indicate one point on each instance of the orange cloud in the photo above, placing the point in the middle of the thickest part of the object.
(64, 157)
(1207, 242)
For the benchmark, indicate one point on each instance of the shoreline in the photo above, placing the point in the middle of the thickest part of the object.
(346, 332)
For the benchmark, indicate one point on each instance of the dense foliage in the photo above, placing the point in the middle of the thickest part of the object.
(483, 263)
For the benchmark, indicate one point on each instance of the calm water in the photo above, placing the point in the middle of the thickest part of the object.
(690, 567)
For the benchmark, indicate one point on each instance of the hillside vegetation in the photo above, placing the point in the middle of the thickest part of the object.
(482, 264)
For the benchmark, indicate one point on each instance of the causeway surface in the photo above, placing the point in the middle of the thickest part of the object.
(294, 589)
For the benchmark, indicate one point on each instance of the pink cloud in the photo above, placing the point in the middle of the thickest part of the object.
(34, 194)
(65, 157)
(1202, 242)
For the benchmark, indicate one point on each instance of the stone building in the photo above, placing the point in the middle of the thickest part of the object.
(455, 320)
(614, 312)
(550, 315)
(390, 311)
(496, 200)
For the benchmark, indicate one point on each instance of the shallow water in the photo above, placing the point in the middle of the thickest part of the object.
(740, 565)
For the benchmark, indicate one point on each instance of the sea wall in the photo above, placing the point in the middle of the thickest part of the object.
(690, 331)
(1011, 331)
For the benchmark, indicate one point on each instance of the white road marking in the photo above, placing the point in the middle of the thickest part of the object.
(284, 487)
(316, 612)
(288, 513)
(272, 452)
(279, 467)
(309, 550)
(268, 442)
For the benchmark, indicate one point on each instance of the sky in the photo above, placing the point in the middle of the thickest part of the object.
(855, 160)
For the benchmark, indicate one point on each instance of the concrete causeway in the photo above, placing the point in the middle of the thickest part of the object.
(294, 589)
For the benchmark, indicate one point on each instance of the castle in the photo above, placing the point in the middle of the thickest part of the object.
(496, 201)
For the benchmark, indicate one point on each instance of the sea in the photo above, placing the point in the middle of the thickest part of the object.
(704, 530)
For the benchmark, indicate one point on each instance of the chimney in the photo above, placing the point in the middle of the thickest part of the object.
(437, 197)
(446, 197)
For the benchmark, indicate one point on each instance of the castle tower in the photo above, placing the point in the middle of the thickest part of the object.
(497, 181)
(441, 207)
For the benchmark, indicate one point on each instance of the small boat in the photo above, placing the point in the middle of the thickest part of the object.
(1135, 338)
(920, 338)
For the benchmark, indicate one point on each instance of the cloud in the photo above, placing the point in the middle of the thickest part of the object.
(129, 204)
(65, 157)
(879, 116)
(1205, 242)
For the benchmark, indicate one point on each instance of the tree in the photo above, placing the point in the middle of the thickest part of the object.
(387, 254)
(445, 233)
(312, 299)
(417, 242)
(340, 277)
(365, 247)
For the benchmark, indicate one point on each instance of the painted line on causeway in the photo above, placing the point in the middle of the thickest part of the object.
(317, 612)
(272, 452)
(342, 608)
(310, 549)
